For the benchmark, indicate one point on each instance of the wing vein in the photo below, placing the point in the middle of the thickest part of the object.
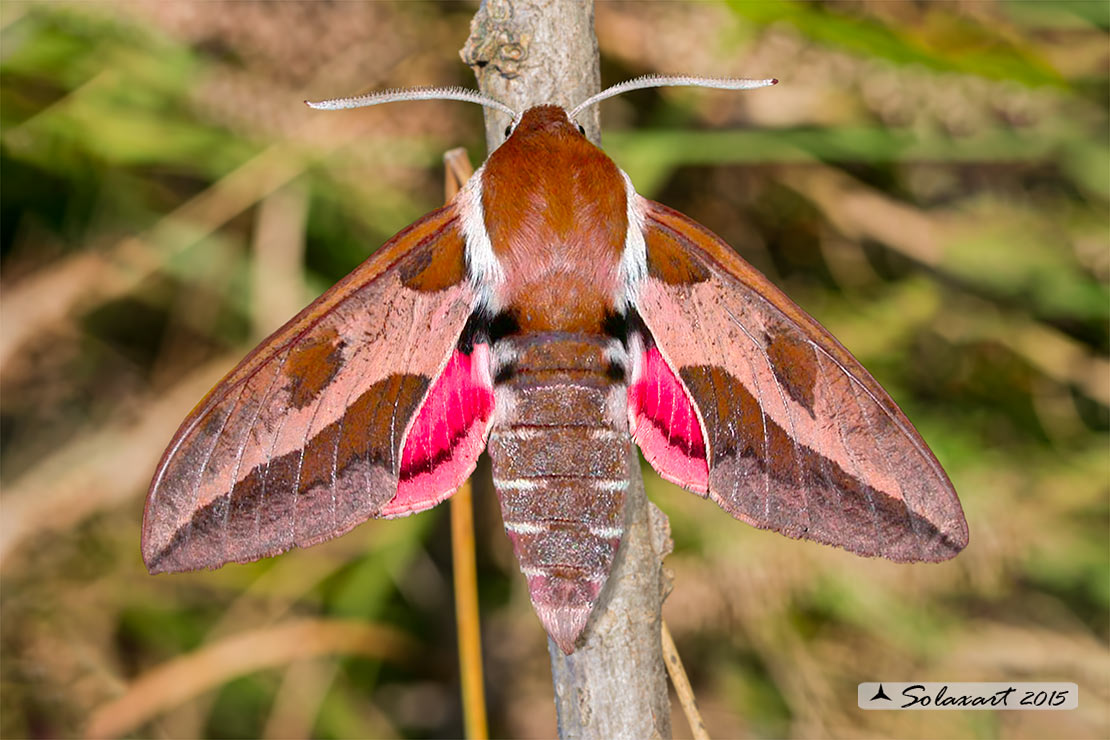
(884, 454)
(308, 435)
(710, 339)
(269, 461)
(395, 463)
(856, 470)
(207, 461)
(763, 415)
(243, 448)
(794, 444)
(378, 405)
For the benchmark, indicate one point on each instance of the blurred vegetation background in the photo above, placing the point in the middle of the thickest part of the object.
(929, 179)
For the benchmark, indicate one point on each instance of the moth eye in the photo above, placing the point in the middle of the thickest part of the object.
(508, 130)
(581, 129)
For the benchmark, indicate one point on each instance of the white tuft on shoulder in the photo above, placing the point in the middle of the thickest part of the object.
(633, 267)
(483, 268)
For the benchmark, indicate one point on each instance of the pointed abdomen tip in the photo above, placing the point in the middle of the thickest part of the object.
(564, 624)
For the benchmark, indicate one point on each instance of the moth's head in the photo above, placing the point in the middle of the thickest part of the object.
(547, 121)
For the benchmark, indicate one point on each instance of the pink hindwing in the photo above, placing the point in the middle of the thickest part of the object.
(665, 424)
(449, 433)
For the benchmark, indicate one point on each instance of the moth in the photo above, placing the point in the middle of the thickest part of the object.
(552, 316)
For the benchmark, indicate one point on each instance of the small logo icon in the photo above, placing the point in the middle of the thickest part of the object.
(880, 694)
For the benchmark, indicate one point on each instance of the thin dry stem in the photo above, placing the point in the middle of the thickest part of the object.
(457, 172)
(682, 688)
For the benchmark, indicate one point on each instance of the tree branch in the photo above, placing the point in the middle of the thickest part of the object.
(531, 52)
(525, 53)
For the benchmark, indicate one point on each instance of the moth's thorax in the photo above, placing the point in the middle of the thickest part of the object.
(555, 209)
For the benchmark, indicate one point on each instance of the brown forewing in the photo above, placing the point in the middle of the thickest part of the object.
(801, 438)
(302, 441)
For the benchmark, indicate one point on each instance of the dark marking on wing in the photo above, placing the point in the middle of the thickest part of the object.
(311, 366)
(671, 258)
(434, 267)
(794, 364)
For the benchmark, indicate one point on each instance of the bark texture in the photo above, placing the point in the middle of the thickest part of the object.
(529, 52)
(525, 53)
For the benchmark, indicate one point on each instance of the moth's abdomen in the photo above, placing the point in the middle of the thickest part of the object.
(560, 453)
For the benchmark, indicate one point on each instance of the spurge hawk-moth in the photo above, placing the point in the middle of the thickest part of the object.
(550, 315)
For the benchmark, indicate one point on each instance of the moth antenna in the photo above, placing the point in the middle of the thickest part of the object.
(412, 93)
(723, 83)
